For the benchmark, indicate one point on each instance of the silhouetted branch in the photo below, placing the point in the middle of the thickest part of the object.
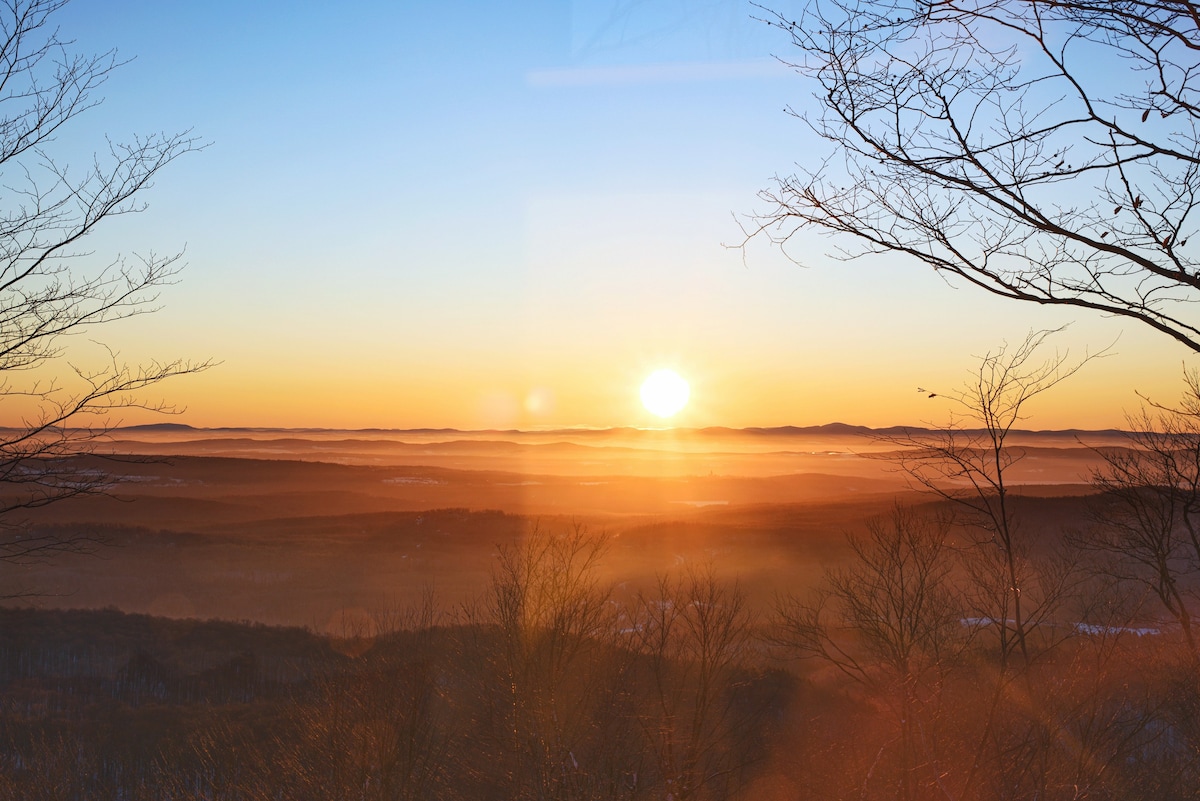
(979, 137)
(50, 293)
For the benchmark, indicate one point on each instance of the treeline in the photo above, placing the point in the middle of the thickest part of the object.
(547, 686)
(887, 681)
(974, 656)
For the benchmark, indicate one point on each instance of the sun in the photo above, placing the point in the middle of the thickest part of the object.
(665, 392)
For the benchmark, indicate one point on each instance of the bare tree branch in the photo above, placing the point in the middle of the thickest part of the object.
(50, 292)
(1042, 150)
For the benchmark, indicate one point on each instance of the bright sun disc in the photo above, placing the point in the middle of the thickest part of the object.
(664, 393)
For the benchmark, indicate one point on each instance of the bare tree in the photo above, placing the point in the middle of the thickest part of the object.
(968, 462)
(959, 628)
(693, 638)
(1148, 510)
(896, 598)
(551, 666)
(1013, 588)
(51, 288)
(890, 623)
(1042, 150)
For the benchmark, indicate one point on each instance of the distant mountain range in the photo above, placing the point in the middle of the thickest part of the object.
(828, 429)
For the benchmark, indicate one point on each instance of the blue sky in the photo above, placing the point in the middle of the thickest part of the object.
(504, 215)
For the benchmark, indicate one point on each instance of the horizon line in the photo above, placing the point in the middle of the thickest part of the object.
(835, 427)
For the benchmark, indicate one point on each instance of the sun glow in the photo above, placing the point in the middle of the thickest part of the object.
(665, 392)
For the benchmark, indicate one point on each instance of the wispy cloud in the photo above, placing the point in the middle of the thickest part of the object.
(675, 72)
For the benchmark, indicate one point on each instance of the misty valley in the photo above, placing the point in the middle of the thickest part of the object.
(708, 614)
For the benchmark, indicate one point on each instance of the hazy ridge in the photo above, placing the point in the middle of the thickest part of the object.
(827, 429)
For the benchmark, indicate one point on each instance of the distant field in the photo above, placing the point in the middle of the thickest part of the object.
(297, 528)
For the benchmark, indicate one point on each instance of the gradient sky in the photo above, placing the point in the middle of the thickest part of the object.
(482, 215)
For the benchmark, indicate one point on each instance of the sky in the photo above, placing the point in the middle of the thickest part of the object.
(506, 215)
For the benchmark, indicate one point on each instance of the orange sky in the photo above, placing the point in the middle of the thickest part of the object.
(508, 218)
